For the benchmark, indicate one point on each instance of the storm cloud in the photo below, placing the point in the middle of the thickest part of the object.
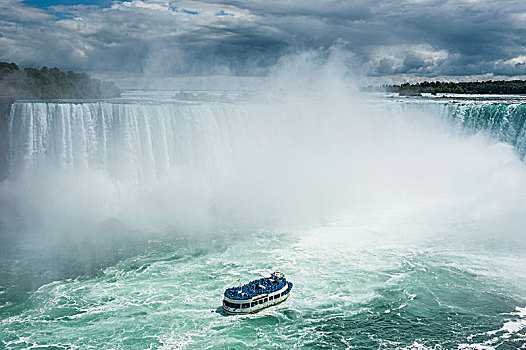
(386, 38)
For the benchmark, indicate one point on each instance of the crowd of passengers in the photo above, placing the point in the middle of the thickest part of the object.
(253, 288)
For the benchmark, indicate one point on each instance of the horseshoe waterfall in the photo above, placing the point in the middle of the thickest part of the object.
(400, 221)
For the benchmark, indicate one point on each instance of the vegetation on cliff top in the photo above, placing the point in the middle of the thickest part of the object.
(45, 83)
(510, 87)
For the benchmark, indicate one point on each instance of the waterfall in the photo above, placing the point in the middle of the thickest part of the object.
(130, 142)
(165, 161)
(138, 142)
(102, 153)
(507, 122)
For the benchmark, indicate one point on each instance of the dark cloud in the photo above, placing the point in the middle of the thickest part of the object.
(425, 38)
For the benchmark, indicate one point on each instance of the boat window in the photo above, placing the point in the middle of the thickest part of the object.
(261, 301)
(265, 300)
(244, 306)
(254, 303)
(229, 304)
(271, 297)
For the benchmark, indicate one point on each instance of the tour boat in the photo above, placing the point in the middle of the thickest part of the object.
(257, 295)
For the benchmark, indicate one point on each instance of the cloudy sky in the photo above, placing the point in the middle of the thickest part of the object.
(387, 39)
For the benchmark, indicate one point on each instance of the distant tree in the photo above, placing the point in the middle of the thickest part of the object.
(31, 83)
(477, 87)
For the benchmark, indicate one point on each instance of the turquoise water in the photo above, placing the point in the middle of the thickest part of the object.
(397, 232)
(350, 291)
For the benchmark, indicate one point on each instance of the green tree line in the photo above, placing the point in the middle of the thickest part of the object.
(476, 87)
(44, 83)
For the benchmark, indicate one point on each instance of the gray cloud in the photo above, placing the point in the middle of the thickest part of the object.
(424, 38)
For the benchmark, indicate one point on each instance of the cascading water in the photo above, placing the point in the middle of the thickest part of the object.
(507, 122)
(129, 142)
(123, 221)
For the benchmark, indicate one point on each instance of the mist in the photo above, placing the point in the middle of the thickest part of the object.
(242, 144)
(148, 205)
(305, 145)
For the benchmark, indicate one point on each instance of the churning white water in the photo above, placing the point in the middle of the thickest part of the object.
(398, 228)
